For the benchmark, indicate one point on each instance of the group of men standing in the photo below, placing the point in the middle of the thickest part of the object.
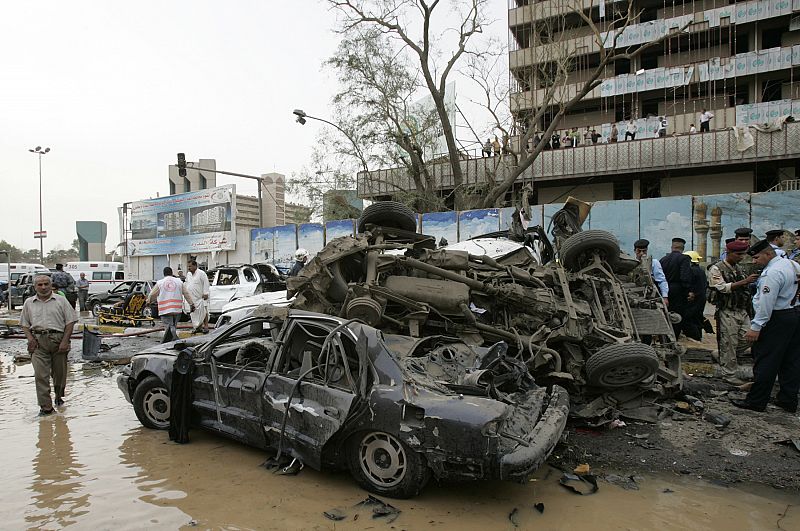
(755, 291)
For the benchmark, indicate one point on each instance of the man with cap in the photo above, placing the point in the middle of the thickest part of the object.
(774, 332)
(775, 239)
(731, 295)
(743, 234)
(676, 267)
(795, 254)
(654, 266)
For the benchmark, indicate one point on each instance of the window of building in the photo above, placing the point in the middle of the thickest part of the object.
(187, 185)
(649, 61)
(649, 108)
(771, 38)
(171, 188)
(742, 43)
(622, 66)
(771, 90)
(203, 182)
(649, 188)
(623, 190)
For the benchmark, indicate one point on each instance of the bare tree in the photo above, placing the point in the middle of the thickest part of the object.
(412, 23)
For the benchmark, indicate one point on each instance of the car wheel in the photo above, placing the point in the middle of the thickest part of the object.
(576, 252)
(621, 365)
(382, 464)
(151, 403)
(95, 308)
(147, 312)
(388, 214)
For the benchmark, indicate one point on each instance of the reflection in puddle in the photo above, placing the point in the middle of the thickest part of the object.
(93, 466)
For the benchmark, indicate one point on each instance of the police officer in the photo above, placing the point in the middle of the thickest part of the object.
(774, 332)
(775, 239)
(743, 234)
(656, 271)
(795, 255)
(730, 294)
(676, 267)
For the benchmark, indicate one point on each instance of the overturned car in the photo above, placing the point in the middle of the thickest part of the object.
(337, 393)
(591, 320)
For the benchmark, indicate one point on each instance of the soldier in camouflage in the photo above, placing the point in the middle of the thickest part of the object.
(729, 291)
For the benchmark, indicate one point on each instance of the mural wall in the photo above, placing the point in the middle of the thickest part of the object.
(705, 222)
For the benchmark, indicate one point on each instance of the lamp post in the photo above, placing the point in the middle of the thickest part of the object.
(39, 151)
(302, 117)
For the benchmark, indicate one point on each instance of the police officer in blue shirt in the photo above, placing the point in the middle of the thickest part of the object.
(774, 332)
(776, 241)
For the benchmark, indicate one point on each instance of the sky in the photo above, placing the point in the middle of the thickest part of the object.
(116, 89)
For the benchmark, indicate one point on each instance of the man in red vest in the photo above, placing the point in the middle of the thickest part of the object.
(170, 292)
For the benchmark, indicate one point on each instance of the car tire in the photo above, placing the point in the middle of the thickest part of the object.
(384, 465)
(95, 305)
(574, 250)
(147, 312)
(151, 403)
(388, 214)
(621, 365)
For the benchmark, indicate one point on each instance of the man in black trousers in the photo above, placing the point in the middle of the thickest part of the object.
(676, 266)
(774, 332)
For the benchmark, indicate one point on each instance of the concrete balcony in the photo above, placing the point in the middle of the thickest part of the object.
(695, 151)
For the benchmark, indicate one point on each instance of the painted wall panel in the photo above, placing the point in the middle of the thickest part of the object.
(285, 245)
(261, 244)
(617, 217)
(473, 223)
(663, 218)
(441, 225)
(311, 237)
(715, 218)
(775, 210)
(339, 228)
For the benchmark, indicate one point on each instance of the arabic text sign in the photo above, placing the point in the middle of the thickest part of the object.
(194, 222)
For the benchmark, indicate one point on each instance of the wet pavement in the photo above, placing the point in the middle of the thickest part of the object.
(92, 465)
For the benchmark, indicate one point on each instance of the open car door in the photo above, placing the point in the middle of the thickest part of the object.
(312, 387)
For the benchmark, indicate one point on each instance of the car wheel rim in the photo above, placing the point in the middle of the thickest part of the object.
(382, 459)
(96, 309)
(625, 375)
(156, 406)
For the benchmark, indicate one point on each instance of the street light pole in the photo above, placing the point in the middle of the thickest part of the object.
(302, 117)
(39, 151)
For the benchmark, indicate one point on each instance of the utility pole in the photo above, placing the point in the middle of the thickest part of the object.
(39, 151)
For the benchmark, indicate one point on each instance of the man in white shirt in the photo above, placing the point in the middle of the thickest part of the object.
(776, 241)
(198, 287)
(705, 118)
(630, 130)
(662, 126)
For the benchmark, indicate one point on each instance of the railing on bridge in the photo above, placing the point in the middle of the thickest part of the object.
(673, 152)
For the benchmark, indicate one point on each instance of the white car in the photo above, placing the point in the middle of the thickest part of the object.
(494, 247)
(237, 310)
(231, 282)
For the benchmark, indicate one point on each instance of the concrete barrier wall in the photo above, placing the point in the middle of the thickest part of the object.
(705, 222)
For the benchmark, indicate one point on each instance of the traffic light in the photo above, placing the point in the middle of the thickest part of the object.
(182, 164)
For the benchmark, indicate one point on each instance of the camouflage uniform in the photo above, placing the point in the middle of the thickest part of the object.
(733, 313)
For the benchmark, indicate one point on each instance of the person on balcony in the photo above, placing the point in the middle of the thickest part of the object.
(662, 126)
(631, 130)
(705, 119)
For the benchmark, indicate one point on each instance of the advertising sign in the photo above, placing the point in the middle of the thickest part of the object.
(193, 222)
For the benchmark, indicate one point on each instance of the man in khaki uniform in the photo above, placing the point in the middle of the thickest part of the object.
(731, 295)
(47, 320)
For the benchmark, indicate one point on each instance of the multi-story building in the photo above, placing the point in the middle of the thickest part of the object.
(737, 60)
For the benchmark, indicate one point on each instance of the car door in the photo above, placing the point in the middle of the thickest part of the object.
(223, 290)
(307, 399)
(228, 392)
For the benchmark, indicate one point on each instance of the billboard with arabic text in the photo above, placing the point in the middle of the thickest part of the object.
(189, 223)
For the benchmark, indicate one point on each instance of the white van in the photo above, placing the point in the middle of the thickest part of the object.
(102, 276)
(19, 269)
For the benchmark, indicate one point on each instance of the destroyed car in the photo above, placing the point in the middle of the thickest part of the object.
(231, 282)
(591, 320)
(338, 394)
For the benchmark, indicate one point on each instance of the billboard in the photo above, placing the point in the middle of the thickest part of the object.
(193, 222)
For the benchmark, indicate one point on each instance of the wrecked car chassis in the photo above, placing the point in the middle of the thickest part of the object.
(555, 319)
(335, 393)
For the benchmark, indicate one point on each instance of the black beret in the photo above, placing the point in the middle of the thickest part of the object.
(679, 240)
(774, 233)
(729, 240)
(743, 231)
(641, 244)
(757, 247)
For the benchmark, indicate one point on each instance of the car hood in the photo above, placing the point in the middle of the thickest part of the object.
(275, 298)
(174, 347)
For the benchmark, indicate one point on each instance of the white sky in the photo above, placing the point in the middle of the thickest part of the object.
(116, 89)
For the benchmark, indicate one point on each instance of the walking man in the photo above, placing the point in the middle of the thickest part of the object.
(83, 291)
(731, 295)
(676, 267)
(656, 271)
(47, 321)
(775, 239)
(198, 287)
(774, 332)
(705, 119)
(170, 292)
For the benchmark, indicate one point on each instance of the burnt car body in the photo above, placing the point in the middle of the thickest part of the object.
(119, 293)
(338, 394)
(592, 320)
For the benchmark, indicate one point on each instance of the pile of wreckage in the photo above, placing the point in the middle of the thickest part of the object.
(576, 312)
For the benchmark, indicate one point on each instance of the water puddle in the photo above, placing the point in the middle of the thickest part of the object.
(93, 466)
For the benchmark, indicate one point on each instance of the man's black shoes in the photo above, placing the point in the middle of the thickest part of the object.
(789, 408)
(744, 404)
(44, 412)
(59, 401)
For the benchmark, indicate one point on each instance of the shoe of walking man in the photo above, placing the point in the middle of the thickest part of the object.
(170, 292)
(47, 321)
